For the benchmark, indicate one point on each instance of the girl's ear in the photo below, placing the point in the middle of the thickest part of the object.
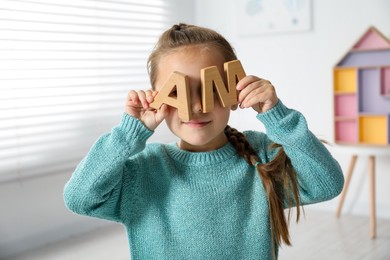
(234, 107)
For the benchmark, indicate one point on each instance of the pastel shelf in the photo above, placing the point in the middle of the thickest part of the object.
(361, 85)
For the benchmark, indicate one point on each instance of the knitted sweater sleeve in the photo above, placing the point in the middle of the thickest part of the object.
(96, 185)
(319, 175)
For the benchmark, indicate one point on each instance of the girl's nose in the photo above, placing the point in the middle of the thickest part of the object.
(197, 106)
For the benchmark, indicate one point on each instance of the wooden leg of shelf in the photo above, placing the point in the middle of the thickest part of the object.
(372, 197)
(346, 184)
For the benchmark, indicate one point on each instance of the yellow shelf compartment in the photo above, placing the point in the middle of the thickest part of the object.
(373, 129)
(345, 80)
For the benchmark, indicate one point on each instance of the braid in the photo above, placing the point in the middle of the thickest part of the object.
(242, 146)
(278, 179)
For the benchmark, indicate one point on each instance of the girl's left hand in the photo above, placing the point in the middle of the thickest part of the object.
(257, 93)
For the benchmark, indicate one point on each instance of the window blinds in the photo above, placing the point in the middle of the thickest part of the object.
(65, 70)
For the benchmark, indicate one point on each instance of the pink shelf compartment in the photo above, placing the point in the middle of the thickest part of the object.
(345, 105)
(346, 131)
(385, 81)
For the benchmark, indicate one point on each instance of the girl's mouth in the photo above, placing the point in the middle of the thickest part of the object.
(197, 123)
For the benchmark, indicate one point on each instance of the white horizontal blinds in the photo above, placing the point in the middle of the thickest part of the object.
(65, 70)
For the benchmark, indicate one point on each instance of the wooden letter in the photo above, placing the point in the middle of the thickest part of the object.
(211, 78)
(179, 99)
(234, 73)
(176, 92)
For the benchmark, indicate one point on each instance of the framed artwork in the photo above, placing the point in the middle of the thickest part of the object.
(273, 16)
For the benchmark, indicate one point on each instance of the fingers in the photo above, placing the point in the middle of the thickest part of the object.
(246, 81)
(161, 113)
(138, 106)
(140, 98)
(252, 98)
(256, 92)
(137, 102)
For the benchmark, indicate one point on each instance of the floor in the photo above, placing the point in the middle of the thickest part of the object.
(319, 235)
(323, 236)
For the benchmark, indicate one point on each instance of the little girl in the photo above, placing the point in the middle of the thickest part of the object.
(216, 193)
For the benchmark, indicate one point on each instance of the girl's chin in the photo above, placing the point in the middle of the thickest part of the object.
(200, 145)
(194, 146)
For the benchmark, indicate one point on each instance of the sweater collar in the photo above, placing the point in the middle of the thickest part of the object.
(220, 155)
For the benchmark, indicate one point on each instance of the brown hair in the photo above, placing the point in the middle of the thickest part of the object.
(183, 35)
(278, 176)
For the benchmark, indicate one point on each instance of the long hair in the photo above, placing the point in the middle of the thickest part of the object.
(278, 176)
(279, 181)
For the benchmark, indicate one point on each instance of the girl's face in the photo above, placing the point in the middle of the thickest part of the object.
(205, 132)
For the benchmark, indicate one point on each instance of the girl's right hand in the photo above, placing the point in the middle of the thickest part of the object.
(137, 105)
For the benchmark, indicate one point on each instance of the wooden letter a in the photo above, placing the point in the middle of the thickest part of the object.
(175, 93)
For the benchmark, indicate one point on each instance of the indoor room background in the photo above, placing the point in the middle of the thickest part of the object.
(299, 64)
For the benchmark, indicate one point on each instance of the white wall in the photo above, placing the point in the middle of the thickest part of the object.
(32, 211)
(300, 67)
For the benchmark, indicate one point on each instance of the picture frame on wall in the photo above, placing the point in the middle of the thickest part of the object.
(256, 17)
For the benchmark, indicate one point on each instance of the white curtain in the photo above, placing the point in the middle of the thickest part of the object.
(65, 70)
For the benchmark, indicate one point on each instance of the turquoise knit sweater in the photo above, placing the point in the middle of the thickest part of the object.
(177, 204)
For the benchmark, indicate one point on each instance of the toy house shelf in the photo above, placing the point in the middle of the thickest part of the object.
(361, 86)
